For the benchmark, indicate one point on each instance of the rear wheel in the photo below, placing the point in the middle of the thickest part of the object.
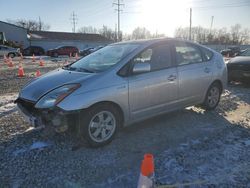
(99, 124)
(212, 97)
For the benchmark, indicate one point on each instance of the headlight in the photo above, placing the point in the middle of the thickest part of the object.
(55, 96)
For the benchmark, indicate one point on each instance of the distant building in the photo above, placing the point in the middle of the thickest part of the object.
(49, 39)
(15, 34)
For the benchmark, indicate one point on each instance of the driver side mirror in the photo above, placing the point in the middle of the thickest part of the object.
(141, 68)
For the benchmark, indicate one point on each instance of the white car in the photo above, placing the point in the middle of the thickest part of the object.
(9, 51)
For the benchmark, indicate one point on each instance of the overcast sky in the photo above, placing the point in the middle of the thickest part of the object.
(162, 16)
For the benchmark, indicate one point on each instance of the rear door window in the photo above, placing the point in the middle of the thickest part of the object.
(187, 53)
(207, 54)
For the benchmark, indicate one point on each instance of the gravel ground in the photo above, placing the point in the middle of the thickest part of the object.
(190, 146)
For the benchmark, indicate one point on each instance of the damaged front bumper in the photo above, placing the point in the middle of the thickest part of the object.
(55, 117)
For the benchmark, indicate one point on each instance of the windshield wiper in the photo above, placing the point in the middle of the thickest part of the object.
(85, 70)
(68, 68)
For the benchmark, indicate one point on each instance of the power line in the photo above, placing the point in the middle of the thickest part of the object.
(118, 4)
(74, 21)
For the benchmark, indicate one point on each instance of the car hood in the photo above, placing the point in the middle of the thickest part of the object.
(34, 90)
(240, 59)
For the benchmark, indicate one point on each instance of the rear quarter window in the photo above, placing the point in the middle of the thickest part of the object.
(207, 54)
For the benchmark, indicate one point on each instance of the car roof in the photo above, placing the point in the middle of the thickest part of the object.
(153, 41)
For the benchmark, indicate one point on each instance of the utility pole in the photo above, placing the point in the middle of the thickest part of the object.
(116, 36)
(74, 21)
(118, 4)
(190, 24)
(40, 24)
(211, 26)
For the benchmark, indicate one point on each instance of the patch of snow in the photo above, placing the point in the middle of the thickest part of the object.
(39, 145)
(35, 145)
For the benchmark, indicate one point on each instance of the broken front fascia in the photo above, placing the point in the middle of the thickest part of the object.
(40, 118)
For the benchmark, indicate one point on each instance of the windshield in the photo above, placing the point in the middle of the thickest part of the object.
(104, 58)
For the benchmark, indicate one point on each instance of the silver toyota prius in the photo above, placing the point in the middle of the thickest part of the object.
(124, 83)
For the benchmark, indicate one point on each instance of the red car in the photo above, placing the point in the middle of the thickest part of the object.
(63, 50)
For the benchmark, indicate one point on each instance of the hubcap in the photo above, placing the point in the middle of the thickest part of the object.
(213, 96)
(102, 126)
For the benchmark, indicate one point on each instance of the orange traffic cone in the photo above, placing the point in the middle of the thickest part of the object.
(65, 62)
(10, 63)
(5, 59)
(70, 55)
(41, 63)
(38, 73)
(33, 58)
(21, 56)
(20, 71)
(146, 179)
(76, 55)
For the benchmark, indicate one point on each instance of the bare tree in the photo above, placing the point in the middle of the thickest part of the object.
(31, 25)
(88, 29)
(245, 36)
(235, 33)
(235, 36)
(108, 33)
(141, 33)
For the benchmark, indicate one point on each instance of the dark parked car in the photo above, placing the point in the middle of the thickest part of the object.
(9, 51)
(90, 50)
(63, 50)
(231, 51)
(239, 68)
(86, 51)
(36, 50)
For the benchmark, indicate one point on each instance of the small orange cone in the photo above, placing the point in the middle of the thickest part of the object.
(38, 73)
(146, 179)
(70, 55)
(10, 63)
(76, 55)
(21, 56)
(20, 71)
(33, 58)
(65, 62)
(5, 59)
(41, 63)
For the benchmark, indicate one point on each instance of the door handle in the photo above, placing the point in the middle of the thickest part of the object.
(172, 77)
(207, 70)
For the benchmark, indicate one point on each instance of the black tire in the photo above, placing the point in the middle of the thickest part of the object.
(209, 102)
(87, 133)
(12, 55)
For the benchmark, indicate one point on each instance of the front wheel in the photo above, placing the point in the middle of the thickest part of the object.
(99, 124)
(212, 97)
